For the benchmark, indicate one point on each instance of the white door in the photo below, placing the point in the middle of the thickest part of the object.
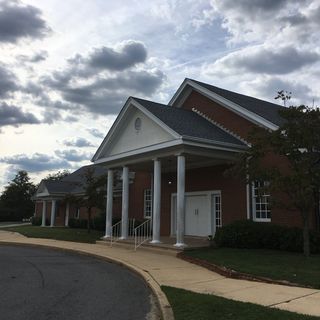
(202, 215)
(198, 220)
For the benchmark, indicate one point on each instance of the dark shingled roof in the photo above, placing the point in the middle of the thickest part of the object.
(74, 182)
(264, 109)
(188, 123)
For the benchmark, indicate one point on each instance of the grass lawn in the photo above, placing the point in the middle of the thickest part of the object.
(58, 233)
(195, 306)
(278, 265)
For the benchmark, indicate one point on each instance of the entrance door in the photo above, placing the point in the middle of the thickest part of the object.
(197, 215)
(202, 213)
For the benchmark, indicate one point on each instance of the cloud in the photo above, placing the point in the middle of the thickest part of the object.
(35, 163)
(78, 142)
(272, 20)
(128, 54)
(14, 116)
(8, 82)
(259, 59)
(73, 155)
(19, 21)
(96, 133)
(267, 87)
(35, 58)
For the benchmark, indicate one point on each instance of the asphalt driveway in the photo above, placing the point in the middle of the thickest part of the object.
(40, 283)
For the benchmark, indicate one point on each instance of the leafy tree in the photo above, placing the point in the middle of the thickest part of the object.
(57, 176)
(296, 145)
(94, 192)
(15, 201)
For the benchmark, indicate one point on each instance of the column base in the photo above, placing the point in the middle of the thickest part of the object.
(123, 238)
(106, 237)
(155, 241)
(180, 245)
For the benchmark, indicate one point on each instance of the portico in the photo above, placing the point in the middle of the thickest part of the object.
(143, 138)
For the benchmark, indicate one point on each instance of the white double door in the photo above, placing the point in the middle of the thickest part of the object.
(200, 215)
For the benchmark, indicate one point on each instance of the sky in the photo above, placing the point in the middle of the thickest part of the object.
(67, 68)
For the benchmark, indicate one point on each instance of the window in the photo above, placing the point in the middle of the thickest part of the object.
(217, 207)
(77, 215)
(147, 203)
(261, 202)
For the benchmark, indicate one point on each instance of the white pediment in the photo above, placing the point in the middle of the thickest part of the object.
(42, 190)
(135, 129)
(137, 132)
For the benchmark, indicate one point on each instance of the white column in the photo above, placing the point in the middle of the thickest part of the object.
(156, 201)
(66, 221)
(125, 202)
(180, 200)
(53, 212)
(109, 204)
(44, 210)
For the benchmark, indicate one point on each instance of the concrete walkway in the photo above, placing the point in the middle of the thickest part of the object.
(165, 269)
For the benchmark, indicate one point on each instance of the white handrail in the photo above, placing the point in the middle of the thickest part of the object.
(142, 233)
(116, 230)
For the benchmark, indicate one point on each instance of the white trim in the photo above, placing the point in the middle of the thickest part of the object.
(209, 194)
(139, 151)
(243, 112)
(129, 103)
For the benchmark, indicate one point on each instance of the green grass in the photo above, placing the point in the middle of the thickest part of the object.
(58, 233)
(278, 265)
(195, 306)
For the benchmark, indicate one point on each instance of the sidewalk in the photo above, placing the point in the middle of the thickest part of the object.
(160, 269)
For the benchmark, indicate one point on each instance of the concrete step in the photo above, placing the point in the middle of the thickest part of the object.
(164, 249)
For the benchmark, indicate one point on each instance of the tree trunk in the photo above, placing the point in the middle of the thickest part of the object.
(306, 236)
(89, 220)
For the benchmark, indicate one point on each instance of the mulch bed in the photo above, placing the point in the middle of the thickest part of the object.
(229, 273)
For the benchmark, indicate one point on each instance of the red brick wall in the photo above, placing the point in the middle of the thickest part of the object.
(220, 114)
(233, 193)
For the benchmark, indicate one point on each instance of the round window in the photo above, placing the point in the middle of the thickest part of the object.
(137, 124)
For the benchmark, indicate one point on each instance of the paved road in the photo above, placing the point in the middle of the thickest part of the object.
(37, 283)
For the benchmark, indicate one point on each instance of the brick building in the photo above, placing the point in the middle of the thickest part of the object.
(171, 161)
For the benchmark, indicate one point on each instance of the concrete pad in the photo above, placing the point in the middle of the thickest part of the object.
(221, 286)
(268, 294)
(307, 305)
(188, 276)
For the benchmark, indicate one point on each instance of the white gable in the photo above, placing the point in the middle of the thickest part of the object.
(42, 190)
(130, 136)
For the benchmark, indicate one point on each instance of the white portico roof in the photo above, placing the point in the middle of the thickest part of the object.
(145, 129)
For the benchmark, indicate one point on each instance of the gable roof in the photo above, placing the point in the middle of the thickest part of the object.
(258, 111)
(188, 124)
(74, 183)
(265, 109)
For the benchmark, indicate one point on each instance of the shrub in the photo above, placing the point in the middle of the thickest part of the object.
(36, 221)
(255, 235)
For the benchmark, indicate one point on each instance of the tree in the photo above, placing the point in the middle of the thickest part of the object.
(94, 192)
(296, 143)
(15, 201)
(57, 176)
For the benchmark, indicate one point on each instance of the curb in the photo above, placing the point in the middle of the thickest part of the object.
(229, 273)
(162, 301)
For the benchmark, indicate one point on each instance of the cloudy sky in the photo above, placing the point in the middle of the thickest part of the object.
(66, 68)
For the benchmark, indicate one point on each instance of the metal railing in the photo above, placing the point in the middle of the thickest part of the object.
(142, 233)
(116, 230)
